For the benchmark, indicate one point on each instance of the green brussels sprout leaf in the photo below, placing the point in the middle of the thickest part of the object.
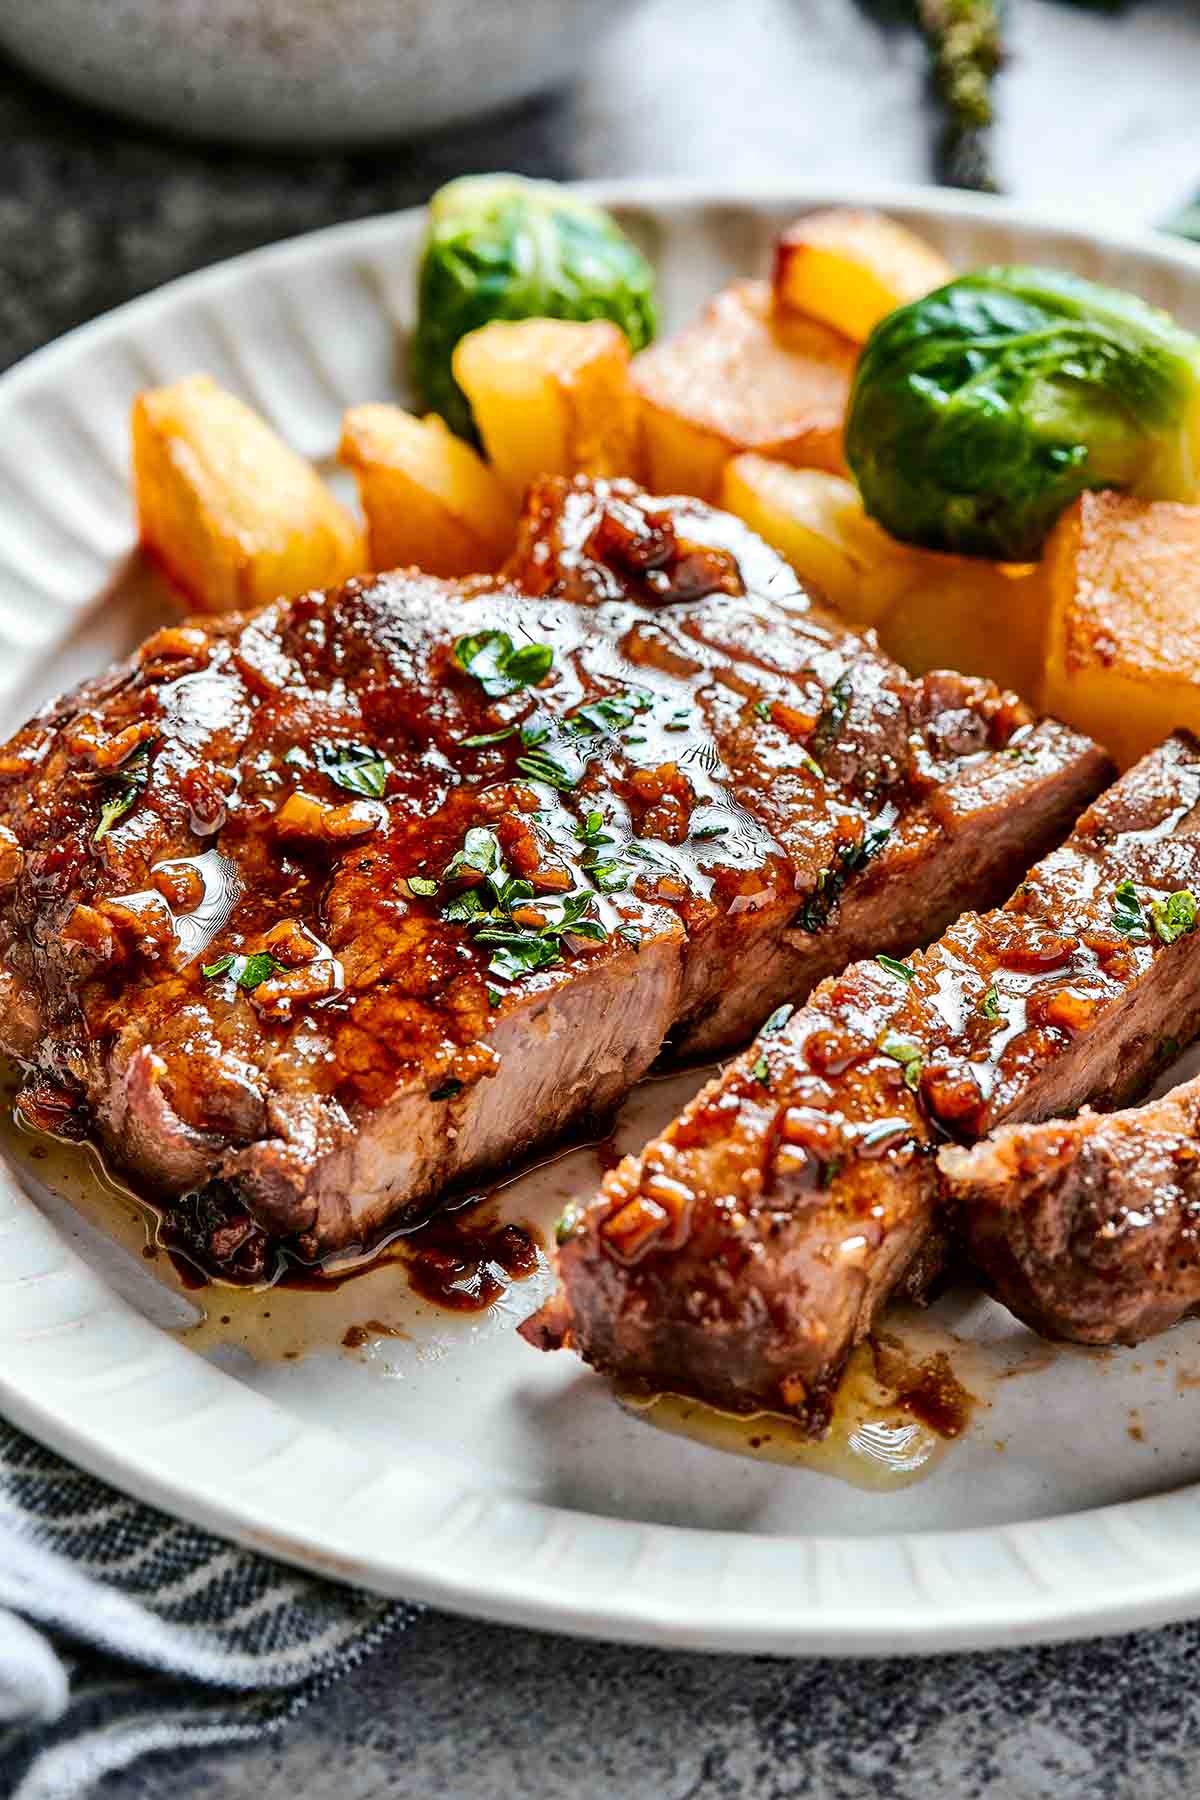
(980, 412)
(500, 247)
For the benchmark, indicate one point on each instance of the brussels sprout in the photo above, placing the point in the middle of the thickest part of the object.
(499, 247)
(981, 411)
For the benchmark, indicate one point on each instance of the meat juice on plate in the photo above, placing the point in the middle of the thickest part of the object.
(900, 1408)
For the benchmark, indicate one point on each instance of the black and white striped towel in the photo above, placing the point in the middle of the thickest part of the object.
(124, 1632)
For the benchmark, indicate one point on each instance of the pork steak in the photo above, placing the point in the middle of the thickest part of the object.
(745, 1251)
(371, 893)
(1089, 1228)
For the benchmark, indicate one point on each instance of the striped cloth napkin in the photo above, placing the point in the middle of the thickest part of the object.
(124, 1632)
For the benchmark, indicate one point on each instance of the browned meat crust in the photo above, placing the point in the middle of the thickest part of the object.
(1088, 1229)
(744, 1252)
(740, 794)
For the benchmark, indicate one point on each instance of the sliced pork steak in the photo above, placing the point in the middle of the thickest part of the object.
(1088, 1229)
(373, 892)
(745, 1251)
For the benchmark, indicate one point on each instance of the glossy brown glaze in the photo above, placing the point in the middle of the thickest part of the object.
(465, 1260)
(772, 795)
(746, 1250)
(1089, 1228)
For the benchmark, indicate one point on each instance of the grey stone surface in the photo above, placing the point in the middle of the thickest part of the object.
(477, 1712)
(1100, 116)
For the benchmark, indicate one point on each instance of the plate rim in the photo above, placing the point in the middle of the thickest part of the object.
(1048, 1588)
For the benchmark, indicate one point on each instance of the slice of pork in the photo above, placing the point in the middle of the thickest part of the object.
(738, 791)
(745, 1251)
(1088, 1229)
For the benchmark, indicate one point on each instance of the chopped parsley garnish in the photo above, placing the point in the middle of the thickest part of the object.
(762, 710)
(610, 877)
(354, 767)
(762, 1072)
(591, 833)
(423, 887)
(249, 972)
(613, 713)
(124, 786)
(830, 882)
(909, 1055)
(539, 765)
(679, 719)
(900, 970)
(1175, 916)
(710, 831)
(777, 1021)
(447, 1090)
(990, 1005)
(466, 907)
(631, 934)
(810, 765)
(1127, 915)
(519, 944)
(499, 666)
(494, 996)
(832, 716)
(482, 738)
(480, 854)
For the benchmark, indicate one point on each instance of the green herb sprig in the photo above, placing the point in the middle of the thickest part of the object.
(500, 666)
(248, 972)
(354, 767)
(910, 1056)
(123, 788)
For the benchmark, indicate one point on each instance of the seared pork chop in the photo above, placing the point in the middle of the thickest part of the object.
(1089, 1228)
(371, 893)
(745, 1251)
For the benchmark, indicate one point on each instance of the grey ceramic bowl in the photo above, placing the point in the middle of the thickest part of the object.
(303, 72)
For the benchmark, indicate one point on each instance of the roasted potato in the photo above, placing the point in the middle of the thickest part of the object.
(816, 520)
(930, 611)
(551, 397)
(849, 269)
(1123, 639)
(430, 500)
(742, 377)
(232, 513)
(981, 618)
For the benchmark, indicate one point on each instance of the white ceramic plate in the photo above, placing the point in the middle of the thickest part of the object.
(452, 1463)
